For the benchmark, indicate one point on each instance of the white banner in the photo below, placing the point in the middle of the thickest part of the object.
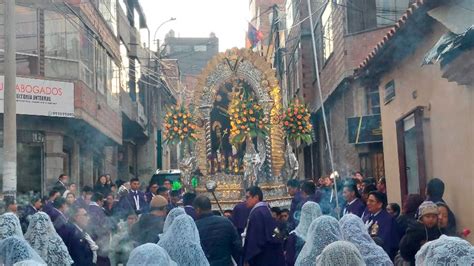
(41, 97)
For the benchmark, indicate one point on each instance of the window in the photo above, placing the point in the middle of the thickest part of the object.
(101, 69)
(389, 92)
(108, 9)
(389, 11)
(124, 76)
(115, 87)
(27, 41)
(200, 48)
(181, 48)
(327, 31)
(104, 70)
(87, 58)
(411, 155)
(373, 100)
(289, 13)
(69, 48)
(61, 36)
(369, 14)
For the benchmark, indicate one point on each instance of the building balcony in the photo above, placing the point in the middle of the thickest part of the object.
(134, 111)
(98, 111)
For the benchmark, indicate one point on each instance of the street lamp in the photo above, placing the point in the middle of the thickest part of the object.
(154, 36)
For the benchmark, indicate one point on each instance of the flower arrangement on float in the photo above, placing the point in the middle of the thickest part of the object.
(180, 125)
(296, 123)
(247, 119)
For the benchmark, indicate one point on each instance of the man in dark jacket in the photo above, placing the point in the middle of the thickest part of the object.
(61, 184)
(79, 244)
(34, 207)
(136, 197)
(219, 238)
(150, 225)
(435, 190)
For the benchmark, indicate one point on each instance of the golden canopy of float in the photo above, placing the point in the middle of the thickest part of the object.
(241, 68)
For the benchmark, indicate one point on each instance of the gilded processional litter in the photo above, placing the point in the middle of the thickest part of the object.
(223, 151)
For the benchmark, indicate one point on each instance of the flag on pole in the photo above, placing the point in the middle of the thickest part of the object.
(253, 36)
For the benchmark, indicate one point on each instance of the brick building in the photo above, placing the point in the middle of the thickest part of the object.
(86, 93)
(345, 31)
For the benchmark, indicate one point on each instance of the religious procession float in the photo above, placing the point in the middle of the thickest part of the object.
(236, 133)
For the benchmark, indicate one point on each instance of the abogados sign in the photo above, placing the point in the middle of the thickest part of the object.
(41, 97)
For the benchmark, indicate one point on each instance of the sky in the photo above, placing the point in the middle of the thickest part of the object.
(198, 18)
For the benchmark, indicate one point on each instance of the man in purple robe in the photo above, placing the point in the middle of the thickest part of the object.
(293, 187)
(354, 204)
(263, 245)
(80, 245)
(240, 215)
(308, 193)
(85, 198)
(100, 227)
(188, 199)
(48, 205)
(381, 224)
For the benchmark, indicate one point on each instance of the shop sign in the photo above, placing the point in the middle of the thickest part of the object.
(41, 97)
(364, 129)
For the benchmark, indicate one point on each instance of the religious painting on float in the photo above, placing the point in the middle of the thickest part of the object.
(227, 155)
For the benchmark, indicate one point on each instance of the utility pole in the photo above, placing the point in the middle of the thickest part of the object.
(315, 54)
(9, 113)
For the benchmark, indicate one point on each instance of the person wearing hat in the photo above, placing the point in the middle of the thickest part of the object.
(150, 225)
(426, 229)
(380, 223)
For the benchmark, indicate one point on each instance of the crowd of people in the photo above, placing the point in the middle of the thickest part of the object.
(118, 223)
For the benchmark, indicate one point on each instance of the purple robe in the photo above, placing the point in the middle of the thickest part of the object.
(100, 228)
(387, 230)
(190, 211)
(77, 245)
(240, 214)
(81, 203)
(294, 205)
(261, 247)
(48, 208)
(357, 207)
